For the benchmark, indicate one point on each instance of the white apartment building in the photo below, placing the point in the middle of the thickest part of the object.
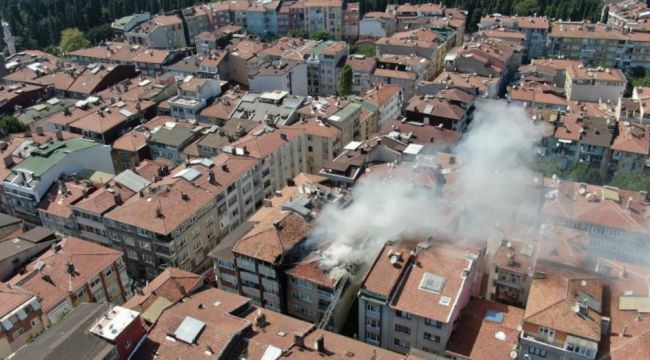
(193, 96)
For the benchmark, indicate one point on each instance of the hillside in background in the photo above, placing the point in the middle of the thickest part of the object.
(38, 23)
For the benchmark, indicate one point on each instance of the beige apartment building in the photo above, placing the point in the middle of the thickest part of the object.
(594, 84)
(161, 32)
(176, 221)
(324, 15)
(75, 271)
(405, 307)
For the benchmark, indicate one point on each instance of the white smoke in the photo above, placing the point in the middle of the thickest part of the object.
(494, 157)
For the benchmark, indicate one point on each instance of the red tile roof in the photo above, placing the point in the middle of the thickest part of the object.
(172, 284)
(89, 260)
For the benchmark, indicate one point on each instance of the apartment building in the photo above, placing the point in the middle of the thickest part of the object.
(490, 58)
(549, 70)
(168, 288)
(318, 296)
(91, 329)
(627, 12)
(170, 139)
(452, 109)
(128, 22)
(630, 148)
(614, 218)
(388, 101)
(429, 44)
(285, 75)
(323, 142)
(594, 85)
(55, 209)
(88, 212)
(150, 61)
(250, 330)
(193, 96)
(274, 108)
(324, 15)
(486, 327)
(593, 44)
(323, 67)
(262, 18)
(260, 273)
(534, 29)
(29, 181)
(362, 70)
(377, 25)
(72, 272)
(642, 95)
(198, 19)
(243, 58)
(282, 153)
(480, 86)
(175, 222)
(161, 32)
(538, 96)
(392, 313)
(22, 318)
(350, 21)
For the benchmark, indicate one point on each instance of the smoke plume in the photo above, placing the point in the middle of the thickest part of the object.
(493, 179)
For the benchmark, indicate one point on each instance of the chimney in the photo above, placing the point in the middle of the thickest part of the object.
(623, 273)
(644, 194)
(283, 136)
(39, 130)
(622, 333)
(319, 344)
(298, 340)
(224, 167)
(71, 269)
(629, 203)
(185, 197)
(211, 178)
(118, 198)
(59, 135)
(291, 182)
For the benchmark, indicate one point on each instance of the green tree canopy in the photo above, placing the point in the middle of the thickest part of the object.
(526, 7)
(10, 125)
(586, 173)
(369, 50)
(298, 33)
(634, 182)
(73, 39)
(320, 35)
(345, 83)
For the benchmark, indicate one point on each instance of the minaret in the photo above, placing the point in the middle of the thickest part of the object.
(8, 38)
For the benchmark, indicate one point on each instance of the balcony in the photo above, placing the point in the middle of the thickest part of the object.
(541, 340)
(251, 292)
(325, 295)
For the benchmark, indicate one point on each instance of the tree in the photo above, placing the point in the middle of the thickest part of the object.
(585, 173)
(298, 33)
(548, 167)
(526, 7)
(368, 50)
(10, 125)
(73, 39)
(345, 84)
(320, 35)
(634, 182)
(100, 33)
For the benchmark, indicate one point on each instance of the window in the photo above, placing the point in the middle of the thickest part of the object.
(536, 351)
(373, 323)
(372, 337)
(434, 323)
(430, 337)
(403, 329)
(127, 344)
(401, 343)
(302, 283)
(303, 297)
(132, 254)
(403, 314)
(372, 307)
(94, 282)
(18, 332)
(108, 271)
(129, 241)
(547, 332)
(81, 292)
(147, 258)
(144, 245)
(184, 257)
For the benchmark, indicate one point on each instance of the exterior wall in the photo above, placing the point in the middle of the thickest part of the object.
(320, 150)
(22, 330)
(351, 24)
(535, 345)
(592, 52)
(60, 224)
(260, 281)
(58, 312)
(535, 42)
(91, 226)
(147, 253)
(294, 81)
(25, 205)
(390, 110)
(599, 91)
(376, 28)
(324, 19)
(287, 162)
